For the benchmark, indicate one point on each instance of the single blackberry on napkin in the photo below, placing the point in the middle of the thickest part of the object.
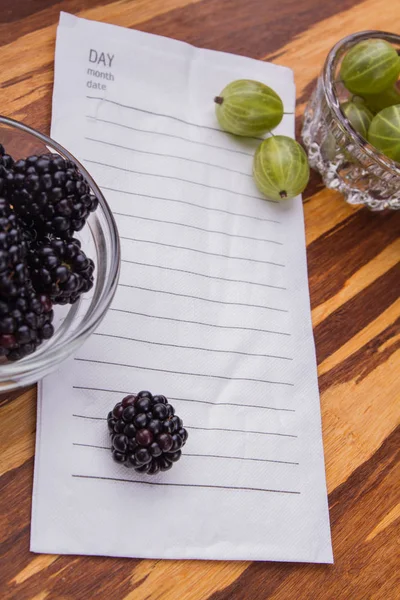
(146, 434)
(50, 195)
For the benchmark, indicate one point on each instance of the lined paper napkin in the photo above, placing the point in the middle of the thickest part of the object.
(212, 310)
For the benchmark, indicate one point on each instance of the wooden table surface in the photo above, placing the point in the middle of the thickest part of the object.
(354, 274)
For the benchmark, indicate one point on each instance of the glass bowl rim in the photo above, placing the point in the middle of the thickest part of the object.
(363, 145)
(33, 363)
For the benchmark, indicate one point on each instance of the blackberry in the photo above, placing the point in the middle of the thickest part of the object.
(6, 172)
(51, 195)
(60, 269)
(25, 322)
(144, 436)
(13, 250)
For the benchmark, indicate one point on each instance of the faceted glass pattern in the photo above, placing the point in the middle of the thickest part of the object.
(345, 160)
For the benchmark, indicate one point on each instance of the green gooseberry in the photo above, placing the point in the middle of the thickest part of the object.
(359, 116)
(370, 67)
(328, 147)
(280, 168)
(384, 132)
(377, 102)
(248, 108)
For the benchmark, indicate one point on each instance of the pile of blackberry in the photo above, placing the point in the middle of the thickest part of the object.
(51, 195)
(145, 433)
(44, 200)
(25, 321)
(13, 251)
(60, 269)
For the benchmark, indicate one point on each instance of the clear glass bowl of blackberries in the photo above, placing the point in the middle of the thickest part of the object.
(59, 254)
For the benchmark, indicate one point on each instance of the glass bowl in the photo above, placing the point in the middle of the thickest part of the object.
(100, 241)
(346, 161)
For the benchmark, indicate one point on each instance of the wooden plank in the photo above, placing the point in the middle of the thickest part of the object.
(352, 259)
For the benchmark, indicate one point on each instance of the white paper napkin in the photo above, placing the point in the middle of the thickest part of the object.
(212, 310)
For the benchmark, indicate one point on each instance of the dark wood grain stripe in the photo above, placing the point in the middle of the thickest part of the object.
(365, 360)
(252, 28)
(335, 256)
(26, 8)
(15, 499)
(315, 183)
(31, 74)
(29, 15)
(35, 114)
(7, 397)
(380, 469)
(361, 493)
(15, 484)
(357, 313)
